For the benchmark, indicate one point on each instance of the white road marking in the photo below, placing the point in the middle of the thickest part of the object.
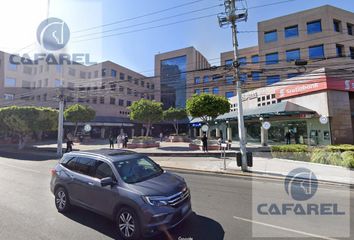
(284, 228)
(22, 168)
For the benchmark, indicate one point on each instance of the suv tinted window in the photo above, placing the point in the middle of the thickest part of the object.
(85, 166)
(70, 163)
(103, 170)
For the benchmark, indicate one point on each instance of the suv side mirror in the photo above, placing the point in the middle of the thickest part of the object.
(107, 181)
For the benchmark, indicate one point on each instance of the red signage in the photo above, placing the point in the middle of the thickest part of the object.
(323, 83)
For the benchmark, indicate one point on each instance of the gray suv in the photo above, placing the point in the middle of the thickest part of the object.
(124, 186)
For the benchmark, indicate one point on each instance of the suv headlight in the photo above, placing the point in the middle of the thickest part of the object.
(157, 201)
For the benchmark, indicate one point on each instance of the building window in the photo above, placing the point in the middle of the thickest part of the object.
(292, 55)
(217, 78)
(197, 80)
(256, 76)
(103, 72)
(113, 73)
(350, 28)
(206, 79)
(270, 36)
(152, 86)
(292, 31)
(136, 82)
(351, 50)
(152, 97)
(255, 59)
(12, 67)
(291, 75)
(242, 61)
(314, 27)
(94, 100)
(197, 91)
(9, 97)
(147, 85)
(129, 91)
(206, 90)
(45, 97)
(272, 58)
(316, 52)
(273, 79)
(142, 83)
(121, 89)
(129, 103)
(58, 68)
(113, 86)
(57, 83)
(121, 102)
(339, 50)
(229, 94)
(10, 82)
(112, 100)
(337, 25)
(215, 90)
(102, 100)
(121, 76)
(130, 78)
(229, 80)
(89, 75)
(82, 74)
(96, 74)
(229, 62)
(243, 77)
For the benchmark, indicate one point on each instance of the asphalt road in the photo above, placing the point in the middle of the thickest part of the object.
(222, 207)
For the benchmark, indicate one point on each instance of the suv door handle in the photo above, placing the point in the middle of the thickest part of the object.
(90, 183)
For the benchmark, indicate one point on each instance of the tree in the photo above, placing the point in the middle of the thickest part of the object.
(207, 107)
(146, 112)
(174, 114)
(79, 113)
(21, 121)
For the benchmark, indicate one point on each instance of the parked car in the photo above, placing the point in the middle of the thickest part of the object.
(124, 186)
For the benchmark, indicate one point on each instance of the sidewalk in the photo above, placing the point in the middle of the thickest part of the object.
(179, 156)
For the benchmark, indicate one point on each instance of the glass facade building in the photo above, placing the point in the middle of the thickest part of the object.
(174, 82)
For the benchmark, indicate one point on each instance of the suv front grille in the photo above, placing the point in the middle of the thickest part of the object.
(178, 198)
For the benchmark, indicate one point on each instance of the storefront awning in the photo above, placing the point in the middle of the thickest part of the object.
(279, 109)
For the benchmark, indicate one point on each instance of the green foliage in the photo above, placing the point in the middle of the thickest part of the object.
(348, 159)
(290, 148)
(207, 106)
(23, 120)
(147, 112)
(79, 113)
(174, 114)
(341, 147)
(326, 157)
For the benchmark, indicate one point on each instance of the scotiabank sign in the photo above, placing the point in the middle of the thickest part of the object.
(323, 83)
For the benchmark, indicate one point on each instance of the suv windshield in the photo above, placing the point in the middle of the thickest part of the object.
(137, 169)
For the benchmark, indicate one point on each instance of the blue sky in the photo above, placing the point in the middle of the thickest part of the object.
(136, 50)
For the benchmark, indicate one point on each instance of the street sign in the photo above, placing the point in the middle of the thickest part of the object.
(323, 120)
(205, 128)
(87, 128)
(266, 125)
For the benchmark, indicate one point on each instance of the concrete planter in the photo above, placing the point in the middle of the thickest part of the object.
(198, 145)
(143, 145)
(178, 139)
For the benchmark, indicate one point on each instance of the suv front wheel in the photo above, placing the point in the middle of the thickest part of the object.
(128, 224)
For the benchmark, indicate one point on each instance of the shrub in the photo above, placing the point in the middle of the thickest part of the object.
(290, 148)
(348, 159)
(326, 157)
(340, 148)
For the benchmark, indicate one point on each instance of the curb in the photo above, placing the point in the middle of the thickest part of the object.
(249, 175)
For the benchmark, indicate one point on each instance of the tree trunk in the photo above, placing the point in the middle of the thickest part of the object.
(176, 127)
(76, 125)
(21, 142)
(148, 125)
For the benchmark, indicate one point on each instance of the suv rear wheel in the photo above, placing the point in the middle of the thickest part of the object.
(128, 224)
(62, 200)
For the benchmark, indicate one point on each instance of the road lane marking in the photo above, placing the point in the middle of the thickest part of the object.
(22, 168)
(284, 228)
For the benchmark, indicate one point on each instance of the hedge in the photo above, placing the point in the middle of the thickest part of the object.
(290, 148)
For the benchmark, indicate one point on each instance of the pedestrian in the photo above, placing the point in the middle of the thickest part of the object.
(69, 146)
(111, 142)
(288, 137)
(205, 143)
(119, 141)
(161, 136)
(125, 141)
(220, 141)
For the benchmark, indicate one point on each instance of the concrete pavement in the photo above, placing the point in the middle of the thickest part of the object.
(222, 206)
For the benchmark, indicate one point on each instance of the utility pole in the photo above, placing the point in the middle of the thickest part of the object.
(60, 123)
(231, 16)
